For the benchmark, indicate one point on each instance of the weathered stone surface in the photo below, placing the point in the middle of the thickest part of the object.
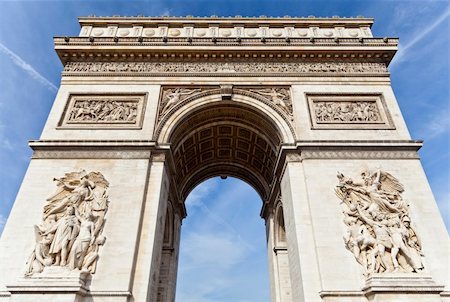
(155, 109)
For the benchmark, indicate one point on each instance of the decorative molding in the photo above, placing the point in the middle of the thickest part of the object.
(91, 154)
(104, 111)
(105, 293)
(359, 154)
(293, 156)
(340, 293)
(409, 283)
(159, 157)
(220, 28)
(348, 111)
(222, 68)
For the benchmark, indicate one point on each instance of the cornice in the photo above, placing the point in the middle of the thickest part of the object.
(228, 20)
(299, 145)
(378, 50)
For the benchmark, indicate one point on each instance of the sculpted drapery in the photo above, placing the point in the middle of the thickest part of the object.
(72, 222)
(379, 231)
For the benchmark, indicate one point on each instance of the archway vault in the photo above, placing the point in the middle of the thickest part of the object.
(213, 135)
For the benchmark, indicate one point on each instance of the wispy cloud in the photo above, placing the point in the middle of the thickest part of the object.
(209, 244)
(5, 142)
(219, 260)
(165, 13)
(27, 68)
(403, 51)
(438, 125)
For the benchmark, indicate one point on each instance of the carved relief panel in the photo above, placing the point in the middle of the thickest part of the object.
(104, 111)
(70, 233)
(348, 111)
(379, 230)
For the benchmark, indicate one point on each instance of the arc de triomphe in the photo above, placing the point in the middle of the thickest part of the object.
(300, 108)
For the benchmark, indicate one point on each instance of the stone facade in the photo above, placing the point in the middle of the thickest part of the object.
(150, 107)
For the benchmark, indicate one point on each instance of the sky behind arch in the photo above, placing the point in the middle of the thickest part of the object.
(30, 69)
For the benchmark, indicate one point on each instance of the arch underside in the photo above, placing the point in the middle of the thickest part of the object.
(225, 138)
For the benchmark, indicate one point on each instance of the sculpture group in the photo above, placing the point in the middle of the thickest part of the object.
(103, 111)
(72, 222)
(379, 231)
(346, 112)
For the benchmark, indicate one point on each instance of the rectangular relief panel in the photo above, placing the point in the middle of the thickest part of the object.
(348, 111)
(104, 111)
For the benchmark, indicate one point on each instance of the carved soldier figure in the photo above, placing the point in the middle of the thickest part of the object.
(74, 216)
(66, 230)
(40, 256)
(385, 234)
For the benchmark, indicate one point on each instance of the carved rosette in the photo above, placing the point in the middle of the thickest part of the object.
(379, 231)
(70, 233)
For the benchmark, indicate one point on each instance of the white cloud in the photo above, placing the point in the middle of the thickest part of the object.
(219, 258)
(403, 50)
(5, 142)
(438, 125)
(201, 192)
(27, 68)
(165, 13)
(218, 250)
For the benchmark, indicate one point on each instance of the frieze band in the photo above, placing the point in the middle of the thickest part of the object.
(198, 69)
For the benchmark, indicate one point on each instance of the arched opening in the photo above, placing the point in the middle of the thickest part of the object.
(234, 138)
(223, 255)
(225, 138)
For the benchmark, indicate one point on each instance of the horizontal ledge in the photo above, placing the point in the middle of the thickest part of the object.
(410, 144)
(340, 293)
(226, 20)
(39, 144)
(108, 294)
(218, 74)
(235, 41)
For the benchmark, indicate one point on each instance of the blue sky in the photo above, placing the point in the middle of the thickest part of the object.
(30, 75)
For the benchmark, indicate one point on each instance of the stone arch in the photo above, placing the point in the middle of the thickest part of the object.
(244, 97)
(280, 228)
(211, 136)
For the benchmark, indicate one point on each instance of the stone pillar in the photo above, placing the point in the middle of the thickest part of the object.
(145, 283)
(304, 272)
(271, 257)
(169, 257)
(280, 277)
